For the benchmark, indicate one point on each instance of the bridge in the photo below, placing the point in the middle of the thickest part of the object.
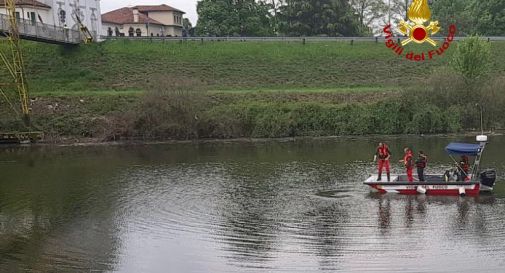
(39, 32)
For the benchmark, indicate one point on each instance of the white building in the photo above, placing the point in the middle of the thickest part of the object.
(143, 20)
(60, 13)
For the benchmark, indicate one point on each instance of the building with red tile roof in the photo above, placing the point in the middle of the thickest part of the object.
(27, 3)
(143, 20)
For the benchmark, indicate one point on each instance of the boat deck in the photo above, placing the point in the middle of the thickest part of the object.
(430, 180)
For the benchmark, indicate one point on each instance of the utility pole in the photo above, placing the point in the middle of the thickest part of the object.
(389, 12)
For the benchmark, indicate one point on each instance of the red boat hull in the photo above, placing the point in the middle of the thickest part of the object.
(446, 190)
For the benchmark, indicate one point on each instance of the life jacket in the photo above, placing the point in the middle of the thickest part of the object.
(383, 152)
(407, 160)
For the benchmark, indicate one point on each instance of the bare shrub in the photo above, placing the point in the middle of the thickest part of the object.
(170, 109)
(118, 126)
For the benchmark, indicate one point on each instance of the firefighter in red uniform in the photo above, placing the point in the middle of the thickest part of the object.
(383, 154)
(407, 161)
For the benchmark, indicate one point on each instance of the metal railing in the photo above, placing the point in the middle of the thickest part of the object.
(31, 30)
(276, 39)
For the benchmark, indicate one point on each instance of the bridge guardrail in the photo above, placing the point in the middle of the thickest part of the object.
(276, 39)
(39, 31)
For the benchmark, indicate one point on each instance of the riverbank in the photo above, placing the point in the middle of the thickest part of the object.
(85, 142)
(215, 115)
(185, 91)
(172, 116)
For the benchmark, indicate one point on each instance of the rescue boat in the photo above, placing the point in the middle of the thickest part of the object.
(477, 181)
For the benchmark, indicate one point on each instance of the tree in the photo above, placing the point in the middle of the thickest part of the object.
(275, 9)
(400, 8)
(472, 16)
(375, 14)
(449, 12)
(319, 17)
(488, 17)
(233, 18)
(368, 12)
(472, 59)
(187, 27)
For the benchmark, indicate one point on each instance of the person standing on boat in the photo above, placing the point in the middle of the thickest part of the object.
(407, 161)
(383, 154)
(421, 163)
(464, 168)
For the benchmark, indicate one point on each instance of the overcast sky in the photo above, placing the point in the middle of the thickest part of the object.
(188, 6)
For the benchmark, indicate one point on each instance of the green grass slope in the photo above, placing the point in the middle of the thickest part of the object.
(133, 65)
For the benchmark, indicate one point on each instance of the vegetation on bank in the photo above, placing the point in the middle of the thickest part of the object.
(134, 65)
(141, 90)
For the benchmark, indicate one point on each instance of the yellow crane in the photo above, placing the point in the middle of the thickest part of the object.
(13, 61)
(87, 37)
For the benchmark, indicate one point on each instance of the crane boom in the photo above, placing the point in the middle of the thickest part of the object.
(14, 61)
(88, 37)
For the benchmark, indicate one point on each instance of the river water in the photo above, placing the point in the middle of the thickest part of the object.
(277, 206)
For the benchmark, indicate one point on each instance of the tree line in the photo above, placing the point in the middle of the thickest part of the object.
(339, 17)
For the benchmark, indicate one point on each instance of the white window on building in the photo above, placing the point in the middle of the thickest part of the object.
(32, 17)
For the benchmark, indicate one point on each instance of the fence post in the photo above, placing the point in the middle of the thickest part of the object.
(201, 40)
(304, 41)
(352, 42)
(376, 40)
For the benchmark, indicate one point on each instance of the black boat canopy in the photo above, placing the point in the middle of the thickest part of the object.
(463, 149)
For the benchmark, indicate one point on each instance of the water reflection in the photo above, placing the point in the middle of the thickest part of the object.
(384, 213)
(277, 206)
(51, 222)
(465, 214)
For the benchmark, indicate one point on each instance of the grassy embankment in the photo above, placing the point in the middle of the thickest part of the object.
(223, 90)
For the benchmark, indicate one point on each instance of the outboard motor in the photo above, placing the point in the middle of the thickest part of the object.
(488, 178)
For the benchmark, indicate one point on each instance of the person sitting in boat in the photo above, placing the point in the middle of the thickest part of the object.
(464, 168)
(407, 162)
(383, 154)
(451, 175)
(421, 163)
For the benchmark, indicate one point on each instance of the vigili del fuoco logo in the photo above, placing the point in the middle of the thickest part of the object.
(419, 29)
